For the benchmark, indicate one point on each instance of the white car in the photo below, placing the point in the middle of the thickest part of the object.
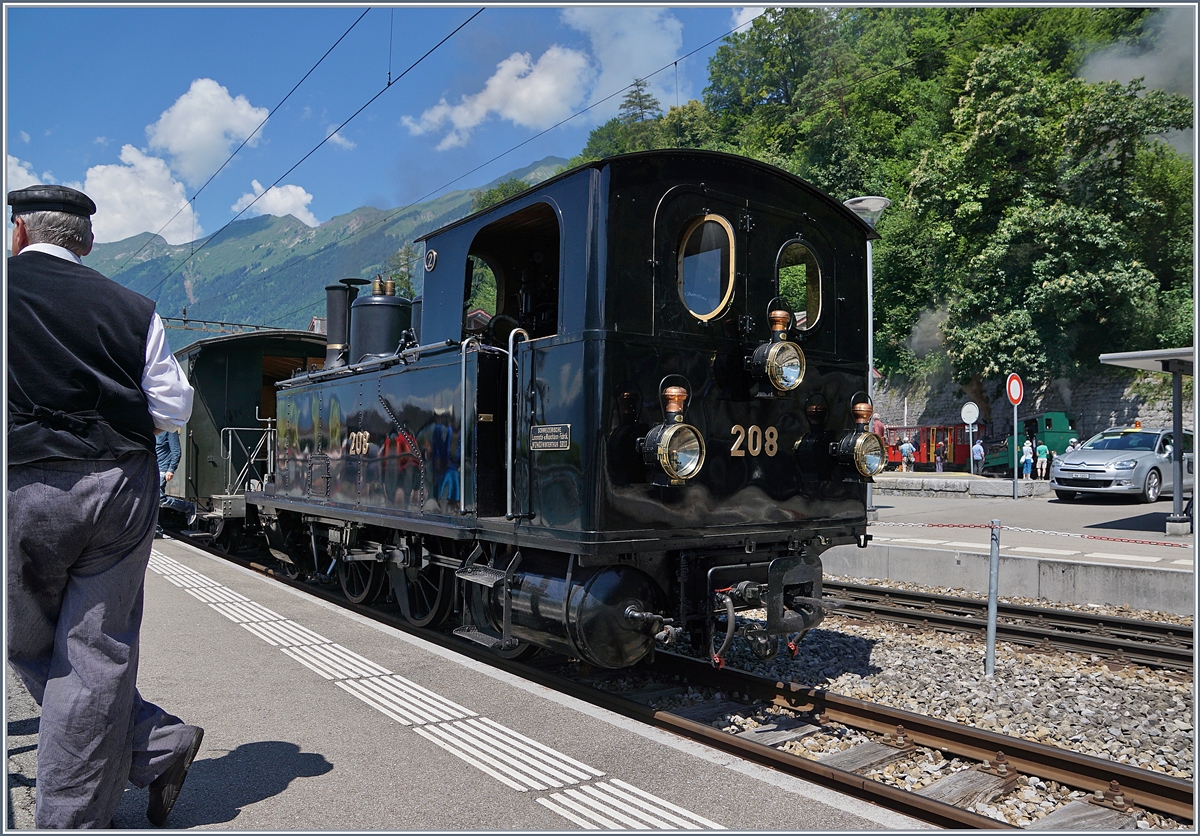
(1122, 460)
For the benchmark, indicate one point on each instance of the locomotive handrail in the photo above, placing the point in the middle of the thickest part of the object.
(464, 346)
(381, 362)
(512, 409)
(227, 436)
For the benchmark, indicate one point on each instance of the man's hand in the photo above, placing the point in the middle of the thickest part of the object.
(167, 476)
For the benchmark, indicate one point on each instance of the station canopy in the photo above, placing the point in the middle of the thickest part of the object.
(1167, 360)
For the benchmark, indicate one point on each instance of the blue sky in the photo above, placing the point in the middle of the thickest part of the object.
(139, 106)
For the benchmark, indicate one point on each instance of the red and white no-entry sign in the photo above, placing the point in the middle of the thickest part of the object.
(1015, 389)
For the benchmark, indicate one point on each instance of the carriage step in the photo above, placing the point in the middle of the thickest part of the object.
(473, 633)
(482, 575)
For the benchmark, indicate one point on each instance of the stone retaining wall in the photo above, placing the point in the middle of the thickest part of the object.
(1112, 398)
(950, 487)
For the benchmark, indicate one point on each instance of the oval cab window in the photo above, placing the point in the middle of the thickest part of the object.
(800, 282)
(706, 267)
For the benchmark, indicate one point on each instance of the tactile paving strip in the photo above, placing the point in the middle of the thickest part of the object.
(513, 759)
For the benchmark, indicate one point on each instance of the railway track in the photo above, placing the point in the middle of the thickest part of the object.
(1122, 640)
(1119, 790)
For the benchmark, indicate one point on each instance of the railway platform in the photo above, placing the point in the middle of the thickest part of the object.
(317, 718)
(1098, 550)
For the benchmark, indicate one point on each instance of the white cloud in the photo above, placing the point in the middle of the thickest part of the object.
(630, 43)
(339, 140)
(279, 201)
(139, 196)
(745, 14)
(203, 126)
(18, 174)
(24, 137)
(528, 93)
(102, 140)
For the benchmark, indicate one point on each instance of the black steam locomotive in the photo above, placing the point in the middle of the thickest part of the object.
(652, 417)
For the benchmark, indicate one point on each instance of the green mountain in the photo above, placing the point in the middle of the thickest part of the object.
(273, 270)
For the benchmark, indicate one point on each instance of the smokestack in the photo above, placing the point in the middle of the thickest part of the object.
(338, 299)
(337, 312)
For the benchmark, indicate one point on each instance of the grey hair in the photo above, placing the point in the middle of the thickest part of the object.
(61, 228)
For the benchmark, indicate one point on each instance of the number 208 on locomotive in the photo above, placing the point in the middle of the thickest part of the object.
(628, 406)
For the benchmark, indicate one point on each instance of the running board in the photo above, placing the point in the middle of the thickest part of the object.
(482, 575)
(473, 633)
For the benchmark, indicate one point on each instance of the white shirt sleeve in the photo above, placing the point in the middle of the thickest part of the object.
(163, 381)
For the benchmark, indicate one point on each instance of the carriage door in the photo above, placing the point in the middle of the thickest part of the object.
(512, 282)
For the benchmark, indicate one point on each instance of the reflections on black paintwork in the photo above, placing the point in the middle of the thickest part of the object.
(625, 463)
(403, 486)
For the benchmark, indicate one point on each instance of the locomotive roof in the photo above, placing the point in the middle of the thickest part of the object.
(250, 337)
(686, 152)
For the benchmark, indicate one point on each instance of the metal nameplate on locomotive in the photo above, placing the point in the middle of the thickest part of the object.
(550, 437)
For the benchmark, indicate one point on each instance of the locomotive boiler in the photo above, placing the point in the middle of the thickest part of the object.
(629, 406)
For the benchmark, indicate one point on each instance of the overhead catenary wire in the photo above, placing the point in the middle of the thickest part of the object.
(499, 156)
(240, 147)
(673, 64)
(395, 213)
(332, 133)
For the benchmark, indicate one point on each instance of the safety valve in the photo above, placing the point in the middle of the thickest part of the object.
(779, 361)
(673, 450)
(858, 447)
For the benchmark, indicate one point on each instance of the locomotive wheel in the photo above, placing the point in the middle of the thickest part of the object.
(291, 571)
(228, 536)
(428, 593)
(479, 600)
(361, 580)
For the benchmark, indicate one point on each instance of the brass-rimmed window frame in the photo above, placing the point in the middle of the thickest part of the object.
(727, 298)
(810, 322)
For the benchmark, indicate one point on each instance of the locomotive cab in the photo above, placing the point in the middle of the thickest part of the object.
(638, 412)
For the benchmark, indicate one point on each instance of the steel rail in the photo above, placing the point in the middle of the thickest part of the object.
(1120, 639)
(1143, 787)
(893, 798)
(1042, 616)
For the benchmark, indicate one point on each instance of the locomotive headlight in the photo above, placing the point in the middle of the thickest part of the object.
(858, 447)
(863, 450)
(676, 448)
(781, 363)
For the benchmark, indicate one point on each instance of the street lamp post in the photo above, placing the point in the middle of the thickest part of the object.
(870, 209)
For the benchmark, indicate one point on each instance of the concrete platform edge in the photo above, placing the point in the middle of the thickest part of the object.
(1064, 581)
(884, 818)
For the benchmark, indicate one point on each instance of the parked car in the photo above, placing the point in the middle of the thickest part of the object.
(1122, 460)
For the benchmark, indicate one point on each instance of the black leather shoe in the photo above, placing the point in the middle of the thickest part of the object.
(164, 790)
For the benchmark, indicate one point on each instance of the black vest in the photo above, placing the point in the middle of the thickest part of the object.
(76, 354)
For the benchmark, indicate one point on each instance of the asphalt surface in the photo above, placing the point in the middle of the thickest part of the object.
(1094, 529)
(296, 739)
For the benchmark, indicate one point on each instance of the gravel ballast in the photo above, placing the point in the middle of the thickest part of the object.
(1129, 714)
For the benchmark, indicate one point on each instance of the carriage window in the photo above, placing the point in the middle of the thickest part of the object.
(706, 267)
(800, 282)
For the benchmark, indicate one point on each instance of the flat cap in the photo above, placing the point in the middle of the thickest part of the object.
(51, 199)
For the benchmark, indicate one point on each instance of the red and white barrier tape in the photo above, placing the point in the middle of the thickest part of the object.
(1039, 531)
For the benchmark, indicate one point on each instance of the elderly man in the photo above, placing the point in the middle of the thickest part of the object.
(90, 378)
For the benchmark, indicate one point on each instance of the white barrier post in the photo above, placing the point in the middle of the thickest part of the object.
(989, 659)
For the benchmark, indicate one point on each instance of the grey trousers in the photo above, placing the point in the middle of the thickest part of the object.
(79, 538)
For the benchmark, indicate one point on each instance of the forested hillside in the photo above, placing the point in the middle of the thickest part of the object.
(1038, 217)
